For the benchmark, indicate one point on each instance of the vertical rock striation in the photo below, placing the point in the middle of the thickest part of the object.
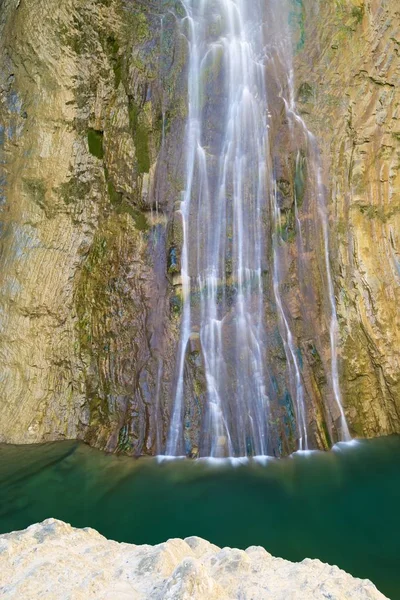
(348, 91)
(88, 92)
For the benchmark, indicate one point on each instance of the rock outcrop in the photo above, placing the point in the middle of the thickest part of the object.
(52, 560)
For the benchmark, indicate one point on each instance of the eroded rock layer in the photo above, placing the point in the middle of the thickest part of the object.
(348, 91)
(88, 311)
(52, 560)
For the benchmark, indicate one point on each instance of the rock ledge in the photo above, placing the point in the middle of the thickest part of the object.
(52, 560)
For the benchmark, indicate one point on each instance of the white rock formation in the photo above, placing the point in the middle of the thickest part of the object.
(52, 560)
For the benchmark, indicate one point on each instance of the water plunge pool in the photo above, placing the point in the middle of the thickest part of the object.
(341, 507)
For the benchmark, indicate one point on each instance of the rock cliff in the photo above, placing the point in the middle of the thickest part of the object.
(93, 103)
(348, 91)
(88, 96)
(52, 560)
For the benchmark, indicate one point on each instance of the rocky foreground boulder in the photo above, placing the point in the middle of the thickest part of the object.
(52, 560)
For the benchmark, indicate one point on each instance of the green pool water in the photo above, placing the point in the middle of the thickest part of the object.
(342, 507)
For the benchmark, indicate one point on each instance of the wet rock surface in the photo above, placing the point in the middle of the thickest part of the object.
(348, 92)
(93, 105)
(53, 560)
(86, 106)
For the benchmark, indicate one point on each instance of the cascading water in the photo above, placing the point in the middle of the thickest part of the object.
(229, 215)
(319, 191)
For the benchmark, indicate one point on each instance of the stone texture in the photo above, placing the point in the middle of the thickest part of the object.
(52, 560)
(348, 92)
(84, 213)
(92, 112)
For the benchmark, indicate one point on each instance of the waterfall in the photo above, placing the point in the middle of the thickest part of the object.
(230, 218)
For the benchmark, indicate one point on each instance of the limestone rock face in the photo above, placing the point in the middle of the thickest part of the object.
(86, 321)
(348, 91)
(93, 104)
(52, 560)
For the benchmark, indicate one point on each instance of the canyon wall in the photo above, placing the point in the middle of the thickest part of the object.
(93, 103)
(86, 309)
(348, 91)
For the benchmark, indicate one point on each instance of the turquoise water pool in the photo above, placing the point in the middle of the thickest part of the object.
(341, 507)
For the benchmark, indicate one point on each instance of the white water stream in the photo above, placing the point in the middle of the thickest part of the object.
(227, 208)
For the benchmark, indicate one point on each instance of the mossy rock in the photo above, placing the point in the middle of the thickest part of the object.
(95, 142)
(140, 134)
